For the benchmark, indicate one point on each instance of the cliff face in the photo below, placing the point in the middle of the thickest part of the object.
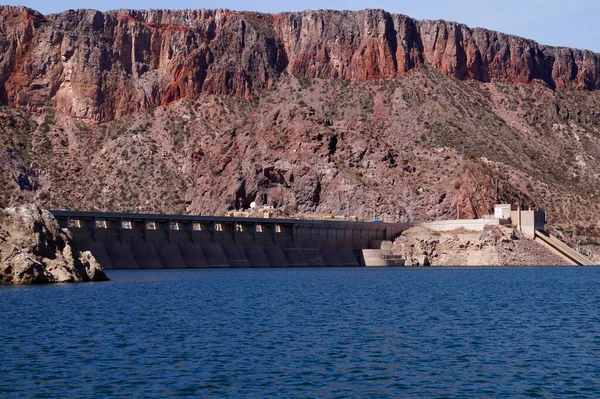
(100, 66)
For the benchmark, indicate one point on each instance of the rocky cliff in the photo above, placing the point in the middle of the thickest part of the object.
(100, 66)
(321, 112)
(35, 250)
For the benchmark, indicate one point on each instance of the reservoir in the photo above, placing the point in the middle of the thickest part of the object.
(306, 332)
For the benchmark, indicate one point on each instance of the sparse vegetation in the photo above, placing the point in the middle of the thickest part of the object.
(47, 123)
(546, 150)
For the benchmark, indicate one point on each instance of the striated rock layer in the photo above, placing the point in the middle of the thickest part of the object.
(35, 250)
(100, 66)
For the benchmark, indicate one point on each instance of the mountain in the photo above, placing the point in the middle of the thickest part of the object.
(330, 112)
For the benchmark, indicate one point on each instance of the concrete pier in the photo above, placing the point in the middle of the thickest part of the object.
(146, 241)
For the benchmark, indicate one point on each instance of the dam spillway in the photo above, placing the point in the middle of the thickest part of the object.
(149, 241)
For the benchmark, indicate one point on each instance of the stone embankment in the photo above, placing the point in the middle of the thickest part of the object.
(494, 246)
(35, 250)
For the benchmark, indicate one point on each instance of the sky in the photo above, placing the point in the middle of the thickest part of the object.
(570, 23)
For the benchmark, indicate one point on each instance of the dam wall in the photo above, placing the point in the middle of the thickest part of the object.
(146, 241)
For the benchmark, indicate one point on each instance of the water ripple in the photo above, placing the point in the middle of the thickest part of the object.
(384, 333)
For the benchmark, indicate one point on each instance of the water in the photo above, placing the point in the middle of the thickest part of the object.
(388, 333)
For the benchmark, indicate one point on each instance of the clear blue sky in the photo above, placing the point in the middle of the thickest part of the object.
(571, 23)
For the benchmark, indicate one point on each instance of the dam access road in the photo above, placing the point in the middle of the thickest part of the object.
(149, 241)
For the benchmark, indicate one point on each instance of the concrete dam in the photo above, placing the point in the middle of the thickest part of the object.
(146, 241)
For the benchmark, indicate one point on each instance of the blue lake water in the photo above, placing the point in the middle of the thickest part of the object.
(381, 333)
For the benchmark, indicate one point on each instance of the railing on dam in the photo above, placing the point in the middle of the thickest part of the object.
(129, 241)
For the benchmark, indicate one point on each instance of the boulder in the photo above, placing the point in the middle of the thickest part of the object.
(34, 249)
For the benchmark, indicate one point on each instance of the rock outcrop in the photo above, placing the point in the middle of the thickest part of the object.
(100, 66)
(495, 246)
(35, 250)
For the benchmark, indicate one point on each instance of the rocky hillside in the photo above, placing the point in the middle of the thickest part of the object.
(364, 113)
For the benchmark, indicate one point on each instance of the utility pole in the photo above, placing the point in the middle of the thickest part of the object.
(496, 179)
(464, 151)
(520, 207)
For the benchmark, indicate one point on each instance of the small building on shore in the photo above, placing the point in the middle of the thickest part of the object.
(527, 221)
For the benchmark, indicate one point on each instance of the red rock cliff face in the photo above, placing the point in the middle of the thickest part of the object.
(100, 66)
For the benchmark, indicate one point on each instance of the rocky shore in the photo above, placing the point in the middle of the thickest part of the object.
(494, 246)
(35, 250)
